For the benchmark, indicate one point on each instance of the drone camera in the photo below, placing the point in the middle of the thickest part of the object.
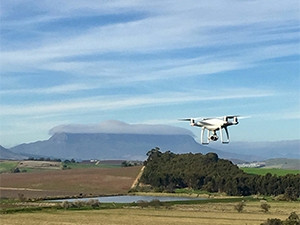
(213, 137)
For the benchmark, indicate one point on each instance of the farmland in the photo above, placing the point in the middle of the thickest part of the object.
(50, 180)
(208, 213)
(70, 182)
(7, 166)
(273, 171)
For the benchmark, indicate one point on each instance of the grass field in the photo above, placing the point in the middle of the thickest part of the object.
(273, 171)
(7, 166)
(209, 213)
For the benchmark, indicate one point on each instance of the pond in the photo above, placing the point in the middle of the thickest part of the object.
(133, 198)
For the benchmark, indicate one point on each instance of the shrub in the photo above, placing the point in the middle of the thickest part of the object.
(21, 197)
(142, 203)
(94, 203)
(155, 203)
(240, 206)
(66, 205)
(293, 219)
(265, 206)
(273, 222)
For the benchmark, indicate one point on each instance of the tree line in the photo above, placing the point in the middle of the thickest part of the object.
(168, 171)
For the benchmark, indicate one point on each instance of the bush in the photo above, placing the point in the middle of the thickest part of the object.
(142, 203)
(293, 219)
(22, 197)
(240, 206)
(94, 203)
(66, 205)
(155, 203)
(265, 206)
(273, 222)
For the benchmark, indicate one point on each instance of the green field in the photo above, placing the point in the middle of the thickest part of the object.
(273, 171)
(7, 166)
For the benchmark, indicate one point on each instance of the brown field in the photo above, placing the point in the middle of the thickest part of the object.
(74, 182)
(205, 214)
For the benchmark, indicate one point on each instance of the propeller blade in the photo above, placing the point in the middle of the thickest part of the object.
(187, 119)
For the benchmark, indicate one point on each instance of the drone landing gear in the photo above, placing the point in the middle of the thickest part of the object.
(227, 135)
(213, 136)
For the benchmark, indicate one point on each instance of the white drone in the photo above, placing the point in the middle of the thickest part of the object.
(212, 125)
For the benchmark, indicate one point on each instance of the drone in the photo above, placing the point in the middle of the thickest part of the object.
(212, 125)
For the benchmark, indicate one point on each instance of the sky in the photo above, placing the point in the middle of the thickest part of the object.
(149, 62)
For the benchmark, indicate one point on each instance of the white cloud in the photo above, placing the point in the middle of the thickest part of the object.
(59, 89)
(103, 103)
(113, 127)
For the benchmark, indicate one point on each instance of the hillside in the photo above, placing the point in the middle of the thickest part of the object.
(7, 154)
(283, 163)
(109, 146)
(263, 150)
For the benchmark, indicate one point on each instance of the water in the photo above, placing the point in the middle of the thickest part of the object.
(135, 198)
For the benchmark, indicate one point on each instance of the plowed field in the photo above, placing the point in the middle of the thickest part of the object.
(74, 182)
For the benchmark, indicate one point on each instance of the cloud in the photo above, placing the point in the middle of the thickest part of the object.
(59, 89)
(113, 102)
(118, 127)
(179, 26)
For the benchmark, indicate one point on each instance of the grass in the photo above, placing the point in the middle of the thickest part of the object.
(7, 166)
(209, 213)
(273, 171)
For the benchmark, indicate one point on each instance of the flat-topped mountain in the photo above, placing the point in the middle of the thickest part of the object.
(109, 146)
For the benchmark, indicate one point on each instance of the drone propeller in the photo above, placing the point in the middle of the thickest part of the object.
(187, 119)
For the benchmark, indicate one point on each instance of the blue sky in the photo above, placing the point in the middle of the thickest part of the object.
(149, 62)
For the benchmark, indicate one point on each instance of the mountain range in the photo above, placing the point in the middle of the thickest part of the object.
(7, 154)
(118, 140)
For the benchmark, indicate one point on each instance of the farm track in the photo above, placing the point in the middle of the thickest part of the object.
(136, 181)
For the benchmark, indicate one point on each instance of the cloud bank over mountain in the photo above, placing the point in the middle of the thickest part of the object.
(119, 127)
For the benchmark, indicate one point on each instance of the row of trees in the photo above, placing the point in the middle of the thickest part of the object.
(167, 171)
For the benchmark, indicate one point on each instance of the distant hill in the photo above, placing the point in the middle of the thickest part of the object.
(118, 140)
(263, 150)
(283, 163)
(7, 154)
(113, 146)
(132, 147)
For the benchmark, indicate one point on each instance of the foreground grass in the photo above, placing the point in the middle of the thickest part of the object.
(208, 213)
(273, 171)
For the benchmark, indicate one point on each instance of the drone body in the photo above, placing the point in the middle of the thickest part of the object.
(212, 125)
